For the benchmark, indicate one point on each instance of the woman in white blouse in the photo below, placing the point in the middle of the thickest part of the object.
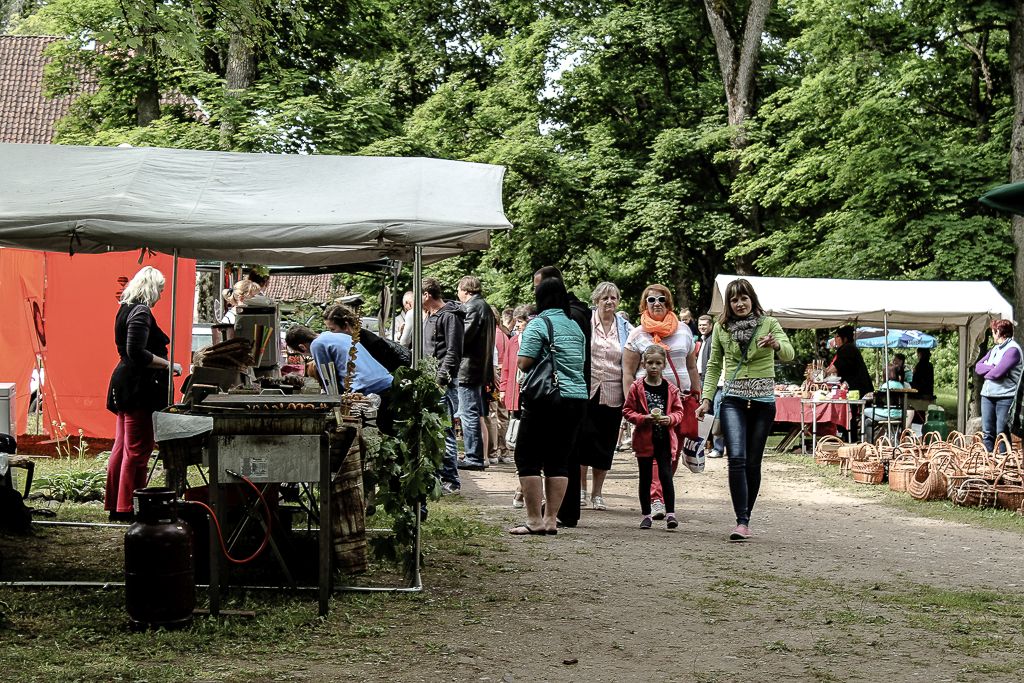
(604, 413)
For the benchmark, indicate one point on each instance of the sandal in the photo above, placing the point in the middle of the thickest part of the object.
(526, 530)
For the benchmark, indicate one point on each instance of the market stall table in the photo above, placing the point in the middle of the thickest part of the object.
(898, 399)
(797, 410)
(836, 406)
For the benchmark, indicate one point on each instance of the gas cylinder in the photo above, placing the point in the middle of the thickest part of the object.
(936, 421)
(159, 581)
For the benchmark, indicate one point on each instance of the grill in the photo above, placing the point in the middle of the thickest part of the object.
(271, 438)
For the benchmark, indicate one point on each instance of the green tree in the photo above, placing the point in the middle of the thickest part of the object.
(869, 163)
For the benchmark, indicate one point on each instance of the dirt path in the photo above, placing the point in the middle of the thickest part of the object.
(831, 589)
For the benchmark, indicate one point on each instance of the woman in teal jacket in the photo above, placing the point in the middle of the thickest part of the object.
(549, 427)
(745, 341)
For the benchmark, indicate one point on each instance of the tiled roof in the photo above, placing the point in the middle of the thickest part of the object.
(309, 288)
(26, 115)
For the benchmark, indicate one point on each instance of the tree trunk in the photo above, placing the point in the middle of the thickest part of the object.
(147, 99)
(239, 75)
(737, 61)
(1017, 156)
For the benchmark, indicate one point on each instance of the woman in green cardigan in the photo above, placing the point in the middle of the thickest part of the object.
(745, 341)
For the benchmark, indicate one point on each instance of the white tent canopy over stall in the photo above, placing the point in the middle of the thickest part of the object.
(248, 208)
(245, 208)
(302, 210)
(807, 303)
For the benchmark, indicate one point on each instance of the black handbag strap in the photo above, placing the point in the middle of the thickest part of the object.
(551, 349)
(551, 334)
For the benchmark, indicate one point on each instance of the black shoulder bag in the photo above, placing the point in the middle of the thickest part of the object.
(541, 383)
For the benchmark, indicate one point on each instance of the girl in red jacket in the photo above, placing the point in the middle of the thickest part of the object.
(655, 407)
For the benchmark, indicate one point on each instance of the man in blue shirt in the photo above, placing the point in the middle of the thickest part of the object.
(368, 376)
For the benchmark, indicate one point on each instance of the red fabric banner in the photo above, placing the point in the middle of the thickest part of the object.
(81, 298)
(21, 293)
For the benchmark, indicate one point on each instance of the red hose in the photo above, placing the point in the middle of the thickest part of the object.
(220, 534)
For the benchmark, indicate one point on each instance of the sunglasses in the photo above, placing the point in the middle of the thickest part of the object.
(656, 299)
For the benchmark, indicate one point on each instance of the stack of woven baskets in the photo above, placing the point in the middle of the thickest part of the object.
(929, 468)
(982, 479)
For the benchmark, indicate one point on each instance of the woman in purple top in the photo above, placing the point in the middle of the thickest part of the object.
(1001, 367)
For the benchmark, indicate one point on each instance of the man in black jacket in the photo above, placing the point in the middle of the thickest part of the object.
(476, 372)
(849, 364)
(580, 313)
(442, 339)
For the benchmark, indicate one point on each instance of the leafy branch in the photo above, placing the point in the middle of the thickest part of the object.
(404, 467)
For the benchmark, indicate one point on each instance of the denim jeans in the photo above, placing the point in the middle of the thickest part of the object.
(470, 410)
(450, 465)
(718, 442)
(745, 426)
(995, 416)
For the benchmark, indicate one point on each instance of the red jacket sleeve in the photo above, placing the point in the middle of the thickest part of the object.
(635, 407)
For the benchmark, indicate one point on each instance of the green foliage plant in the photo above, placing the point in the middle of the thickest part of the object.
(77, 482)
(404, 467)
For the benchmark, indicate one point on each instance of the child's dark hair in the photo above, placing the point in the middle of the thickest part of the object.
(655, 350)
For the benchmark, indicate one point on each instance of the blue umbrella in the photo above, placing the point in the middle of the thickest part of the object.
(874, 338)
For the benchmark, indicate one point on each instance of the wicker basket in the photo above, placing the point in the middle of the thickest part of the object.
(827, 451)
(1009, 497)
(852, 451)
(908, 437)
(867, 471)
(973, 493)
(844, 465)
(928, 482)
(886, 451)
(901, 471)
(957, 440)
(930, 439)
(1009, 463)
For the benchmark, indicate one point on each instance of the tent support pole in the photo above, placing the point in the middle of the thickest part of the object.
(885, 372)
(961, 379)
(218, 308)
(417, 357)
(174, 315)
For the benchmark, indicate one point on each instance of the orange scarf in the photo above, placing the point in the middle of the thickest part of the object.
(659, 329)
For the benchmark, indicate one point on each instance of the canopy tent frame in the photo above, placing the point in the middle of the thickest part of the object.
(250, 208)
(811, 303)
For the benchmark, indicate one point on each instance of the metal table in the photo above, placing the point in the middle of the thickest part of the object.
(860, 403)
(270, 439)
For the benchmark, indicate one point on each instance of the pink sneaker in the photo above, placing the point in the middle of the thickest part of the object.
(740, 533)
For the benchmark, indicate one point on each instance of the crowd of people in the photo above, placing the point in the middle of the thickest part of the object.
(604, 373)
(561, 376)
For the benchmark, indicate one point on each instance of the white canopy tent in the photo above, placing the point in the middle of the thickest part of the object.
(251, 208)
(807, 303)
(248, 208)
(303, 210)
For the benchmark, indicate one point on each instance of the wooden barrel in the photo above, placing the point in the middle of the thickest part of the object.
(348, 513)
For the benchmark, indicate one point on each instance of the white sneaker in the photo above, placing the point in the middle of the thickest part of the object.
(657, 509)
(517, 500)
(714, 454)
(583, 497)
(597, 502)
